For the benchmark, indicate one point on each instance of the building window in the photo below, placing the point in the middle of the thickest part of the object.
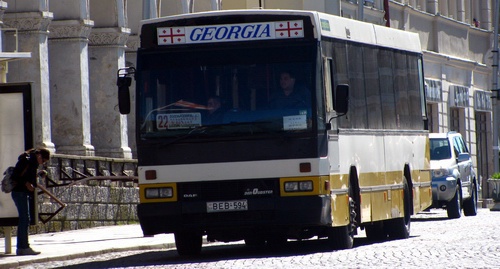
(432, 115)
(455, 115)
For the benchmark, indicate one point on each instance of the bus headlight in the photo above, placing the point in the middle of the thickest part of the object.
(294, 186)
(155, 193)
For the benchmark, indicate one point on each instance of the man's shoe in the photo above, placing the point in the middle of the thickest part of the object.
(27, 251)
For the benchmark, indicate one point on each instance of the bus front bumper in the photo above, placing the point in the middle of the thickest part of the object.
(263, 213)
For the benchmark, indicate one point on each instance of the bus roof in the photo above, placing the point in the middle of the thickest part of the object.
(362, 32)
(326, 25)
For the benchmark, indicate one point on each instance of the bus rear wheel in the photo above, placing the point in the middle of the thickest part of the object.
(188, 242)
(343, 237)
(400, 228)
(376, 231)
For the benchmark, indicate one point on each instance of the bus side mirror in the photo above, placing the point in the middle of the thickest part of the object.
(123, 84)
(342, 99)
(123, 81)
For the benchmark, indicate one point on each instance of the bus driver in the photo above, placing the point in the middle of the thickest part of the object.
(291, 95)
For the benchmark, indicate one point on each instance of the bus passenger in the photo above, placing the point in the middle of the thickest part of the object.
(214, 114)
(291, 95)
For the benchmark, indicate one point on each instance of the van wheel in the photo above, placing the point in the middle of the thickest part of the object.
(470, 205)
(453, 207)
(188, 242)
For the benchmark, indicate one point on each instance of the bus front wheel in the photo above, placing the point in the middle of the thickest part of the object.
(188, 242)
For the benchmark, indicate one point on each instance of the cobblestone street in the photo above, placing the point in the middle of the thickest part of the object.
(435, 242)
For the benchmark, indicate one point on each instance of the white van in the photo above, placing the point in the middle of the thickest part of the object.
(454, 183)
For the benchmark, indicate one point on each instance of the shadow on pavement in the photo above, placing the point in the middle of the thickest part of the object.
(215, 253)
(430, 216)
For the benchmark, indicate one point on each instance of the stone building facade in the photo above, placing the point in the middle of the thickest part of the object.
(77, 46)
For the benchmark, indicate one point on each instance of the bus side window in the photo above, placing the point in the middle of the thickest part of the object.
(342, 99)
(328, 83)
(337, 99)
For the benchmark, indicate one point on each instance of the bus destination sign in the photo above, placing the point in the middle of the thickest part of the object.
(230, 32)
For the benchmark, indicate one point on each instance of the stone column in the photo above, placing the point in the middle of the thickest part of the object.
(149, 11)
(5, 64)
(432, 6)
(109, 127)
(187, 6)
(461, 10)
(106, 55)
(487, 15)
(33, 37)
(69, 77)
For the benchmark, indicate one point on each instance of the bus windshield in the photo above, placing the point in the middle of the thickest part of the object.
(226, 92)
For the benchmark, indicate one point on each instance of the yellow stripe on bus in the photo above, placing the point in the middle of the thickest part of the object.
(381, 195)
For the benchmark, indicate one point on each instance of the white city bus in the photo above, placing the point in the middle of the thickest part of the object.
(347, 150)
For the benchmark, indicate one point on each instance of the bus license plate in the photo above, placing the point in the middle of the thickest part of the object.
(236, 205)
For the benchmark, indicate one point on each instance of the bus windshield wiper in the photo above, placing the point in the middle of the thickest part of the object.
(197, 130)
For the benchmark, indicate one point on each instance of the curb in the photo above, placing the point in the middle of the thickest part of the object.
(85, 254)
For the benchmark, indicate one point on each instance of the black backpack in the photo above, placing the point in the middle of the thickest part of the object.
(8, 182)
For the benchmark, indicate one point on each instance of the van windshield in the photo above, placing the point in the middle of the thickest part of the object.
(440, 149)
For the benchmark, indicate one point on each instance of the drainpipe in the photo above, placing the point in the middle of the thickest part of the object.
(215, 4)
(3, 71)
(495, 90)
(149, 9)
(361, 9)
(387, 17)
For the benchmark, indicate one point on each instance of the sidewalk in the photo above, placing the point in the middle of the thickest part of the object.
(82, 243)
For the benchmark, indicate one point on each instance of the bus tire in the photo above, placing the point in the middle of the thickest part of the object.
(343, 237)
(453, 207)
(376, 231)
(399, 228)
(277, 241)
(470, 205)
(255, 241)
(188, 242)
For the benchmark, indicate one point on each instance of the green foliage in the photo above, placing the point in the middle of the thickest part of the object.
(496, 175)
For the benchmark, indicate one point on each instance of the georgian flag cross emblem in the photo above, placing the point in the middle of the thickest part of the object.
(171, 35)
(289, 29)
